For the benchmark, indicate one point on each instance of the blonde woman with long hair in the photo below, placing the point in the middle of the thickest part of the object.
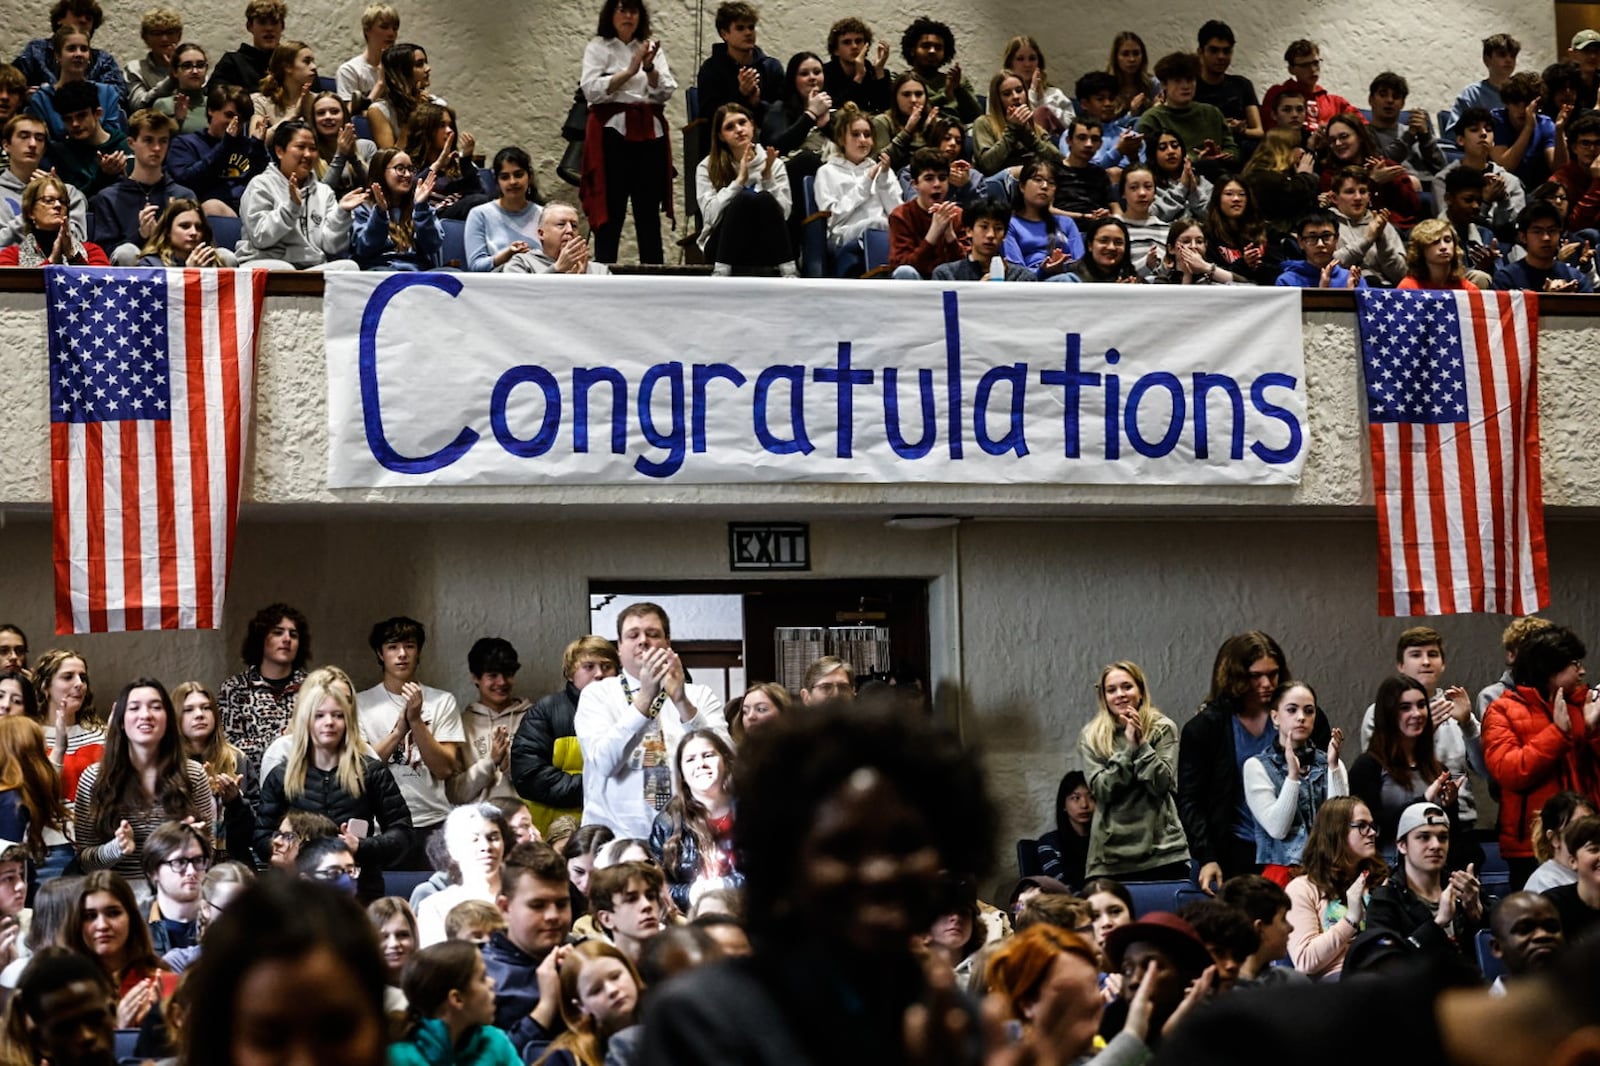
(331, 771)
(1129, 752)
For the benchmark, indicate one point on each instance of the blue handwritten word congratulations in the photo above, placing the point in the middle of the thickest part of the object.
(997, 423)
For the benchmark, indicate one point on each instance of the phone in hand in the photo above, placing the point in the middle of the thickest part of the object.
(357, 828)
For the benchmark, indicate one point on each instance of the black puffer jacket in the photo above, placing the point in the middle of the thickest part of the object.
(380, 805)
(533, 771)
(682, 875)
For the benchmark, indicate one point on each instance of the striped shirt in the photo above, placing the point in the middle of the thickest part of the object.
(96, 851)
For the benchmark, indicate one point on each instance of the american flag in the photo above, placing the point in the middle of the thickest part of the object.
(1453, 423)
(152, 374)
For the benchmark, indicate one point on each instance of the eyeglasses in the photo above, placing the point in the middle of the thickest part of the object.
(403, 168)
(1365, 828)
(53, 201)
(1586, 142)
(1319, 238)
(182, 863)
(333, 873)
(286, 838)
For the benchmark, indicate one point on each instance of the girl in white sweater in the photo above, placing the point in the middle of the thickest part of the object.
(857, 191)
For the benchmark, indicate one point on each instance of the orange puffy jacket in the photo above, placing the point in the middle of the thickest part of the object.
(1532, 759)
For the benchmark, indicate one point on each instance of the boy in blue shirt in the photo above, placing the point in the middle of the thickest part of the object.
(1318, 236)
(1530, 145)
(1539, 233)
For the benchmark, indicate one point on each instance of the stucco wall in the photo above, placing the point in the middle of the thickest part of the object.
(510, 68)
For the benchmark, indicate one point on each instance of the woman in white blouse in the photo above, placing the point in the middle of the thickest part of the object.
(626, 156)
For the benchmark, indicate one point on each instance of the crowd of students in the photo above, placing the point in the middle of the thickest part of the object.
(630, 871)
(1114, 182)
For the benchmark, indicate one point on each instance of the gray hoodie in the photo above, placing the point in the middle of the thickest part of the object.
(306, 234)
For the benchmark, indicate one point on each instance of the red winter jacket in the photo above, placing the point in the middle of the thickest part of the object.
(1533, 760)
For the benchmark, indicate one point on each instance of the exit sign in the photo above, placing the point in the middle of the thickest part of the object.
(769, 546)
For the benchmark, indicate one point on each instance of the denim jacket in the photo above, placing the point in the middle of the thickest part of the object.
(1313, 793)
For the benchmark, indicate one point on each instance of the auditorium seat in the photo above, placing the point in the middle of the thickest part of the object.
(1152, 896)
(877, 249)
(455, 243)
(225, 232)
(363, 127)
(403, 882)
(1028, 864)
(814, 259)
(1488, 962)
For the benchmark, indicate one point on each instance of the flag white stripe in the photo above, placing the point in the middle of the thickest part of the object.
(182, 471)
(77, 526)
(149, 526)
(114, 597)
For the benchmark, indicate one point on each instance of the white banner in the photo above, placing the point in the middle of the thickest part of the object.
(461, 379)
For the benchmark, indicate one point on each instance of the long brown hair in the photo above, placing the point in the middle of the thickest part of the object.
(721, 168)
(1113, 68)
(138, 954)
(1388, 745)
(119, 789)
(402, 228)
(1230, 672)
(275, 85)
(426, 122)
(216, 752)
(1327, 861)
(688, 815)
(26, 768)
(160, 242)
(45, 671)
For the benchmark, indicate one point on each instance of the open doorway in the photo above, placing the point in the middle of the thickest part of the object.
(731, 633)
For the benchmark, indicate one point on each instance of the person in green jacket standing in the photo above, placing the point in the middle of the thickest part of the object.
(1130, 756)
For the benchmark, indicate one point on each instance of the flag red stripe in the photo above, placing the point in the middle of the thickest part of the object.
(1532, 497)
(1408, 520)
(60, 495)
(1380, 496)
(94, 524)
(132, 536)
(199, 457)
(1439, 476)
(166, 523)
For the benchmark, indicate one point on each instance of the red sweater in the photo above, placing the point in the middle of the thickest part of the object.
(1321, 105)
(93, 255)
(908, 225)
(1583, 195)
(1532, 759)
